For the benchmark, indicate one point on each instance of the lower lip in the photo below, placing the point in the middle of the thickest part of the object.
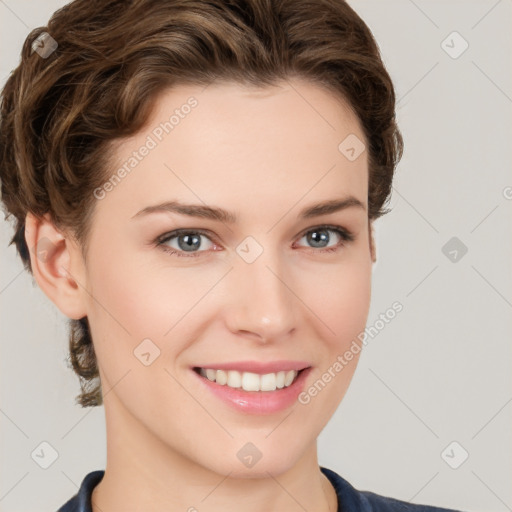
(257, 402)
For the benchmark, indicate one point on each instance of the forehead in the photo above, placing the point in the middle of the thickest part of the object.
(255, 145)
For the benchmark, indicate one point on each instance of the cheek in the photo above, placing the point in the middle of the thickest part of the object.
(341, 300)
(124, 311)
(131, 313)
(132, 303)
(339, 296)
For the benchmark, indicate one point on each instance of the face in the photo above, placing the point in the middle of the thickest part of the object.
(262, 288)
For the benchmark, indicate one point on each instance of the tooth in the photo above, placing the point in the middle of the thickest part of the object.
(234, 379)
(221, 377)
(280, 376)
(289, 377)
(211, 374)
(250, 381)
(268, 382)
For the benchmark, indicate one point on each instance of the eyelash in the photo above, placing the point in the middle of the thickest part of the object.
(345, 235)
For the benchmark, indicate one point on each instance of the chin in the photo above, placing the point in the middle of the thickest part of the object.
(272, 460)
(261, 469)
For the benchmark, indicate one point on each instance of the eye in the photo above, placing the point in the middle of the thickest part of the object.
(318, 237)
(189, 240)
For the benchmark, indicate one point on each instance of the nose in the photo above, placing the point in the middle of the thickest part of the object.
(262, 303)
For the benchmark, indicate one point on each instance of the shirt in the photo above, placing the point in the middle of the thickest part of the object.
(349, 498)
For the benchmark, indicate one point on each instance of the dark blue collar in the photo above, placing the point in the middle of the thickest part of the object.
(349, 498)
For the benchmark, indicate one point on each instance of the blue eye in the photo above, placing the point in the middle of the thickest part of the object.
(317, 236)
(190, 239)
(187, 239)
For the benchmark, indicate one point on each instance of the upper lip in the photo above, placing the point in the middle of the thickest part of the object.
(257, 366)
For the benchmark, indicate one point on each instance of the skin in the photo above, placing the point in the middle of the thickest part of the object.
(264, 154)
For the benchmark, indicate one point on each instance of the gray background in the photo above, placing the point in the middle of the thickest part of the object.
(439, 372)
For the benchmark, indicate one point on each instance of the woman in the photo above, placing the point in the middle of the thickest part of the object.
(194, 185)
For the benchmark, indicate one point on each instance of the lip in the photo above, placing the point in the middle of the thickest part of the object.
(257, 366)
(256, 402)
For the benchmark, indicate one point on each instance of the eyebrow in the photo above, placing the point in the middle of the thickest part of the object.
(219, 214)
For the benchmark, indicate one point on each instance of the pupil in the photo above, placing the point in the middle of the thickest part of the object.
(190, 241)
(315, 235)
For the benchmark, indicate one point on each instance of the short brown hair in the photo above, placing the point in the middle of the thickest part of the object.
(60, 113)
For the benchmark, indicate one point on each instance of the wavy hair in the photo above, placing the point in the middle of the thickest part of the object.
(60, 113)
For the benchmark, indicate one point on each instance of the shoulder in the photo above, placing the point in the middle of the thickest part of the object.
(351, 499)
(81, 501)
(380, 503)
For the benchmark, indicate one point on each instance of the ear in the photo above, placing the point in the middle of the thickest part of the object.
(373, 249)
(57, 265)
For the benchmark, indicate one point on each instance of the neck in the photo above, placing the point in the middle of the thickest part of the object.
(143, 473)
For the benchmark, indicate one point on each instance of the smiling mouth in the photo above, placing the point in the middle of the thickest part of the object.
(248, 381)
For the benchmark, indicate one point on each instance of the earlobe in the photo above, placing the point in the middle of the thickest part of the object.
(51, 258)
